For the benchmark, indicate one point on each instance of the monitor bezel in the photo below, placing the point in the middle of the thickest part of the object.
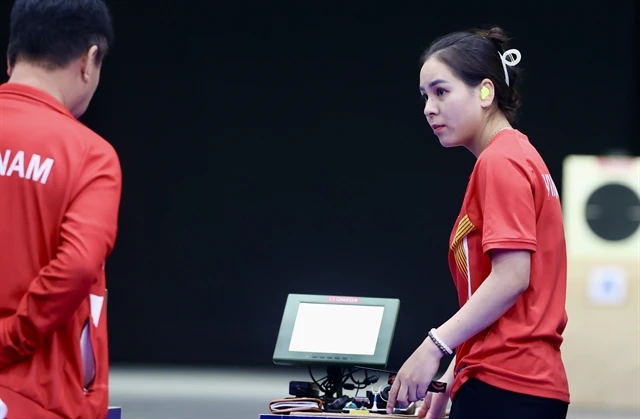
(282, 355)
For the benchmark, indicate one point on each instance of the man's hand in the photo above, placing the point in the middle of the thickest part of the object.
(414, 377)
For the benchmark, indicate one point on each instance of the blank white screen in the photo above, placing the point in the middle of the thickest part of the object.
(336, 329)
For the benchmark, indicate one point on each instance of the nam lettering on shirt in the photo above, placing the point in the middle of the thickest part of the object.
(36, 168)
(511, 202)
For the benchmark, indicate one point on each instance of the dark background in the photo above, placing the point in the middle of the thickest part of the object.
(272, 151)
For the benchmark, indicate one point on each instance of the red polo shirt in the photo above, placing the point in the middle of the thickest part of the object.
(511, 202)
(60, 185)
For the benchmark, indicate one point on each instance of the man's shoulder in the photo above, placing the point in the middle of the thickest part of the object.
(37, 114)
(95, 141)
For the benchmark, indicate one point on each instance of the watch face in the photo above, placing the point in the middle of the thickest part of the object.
(613, 212)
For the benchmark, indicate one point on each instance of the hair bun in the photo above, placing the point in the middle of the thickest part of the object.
(496, 35)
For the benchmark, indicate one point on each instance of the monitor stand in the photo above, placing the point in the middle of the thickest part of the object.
(334, 382)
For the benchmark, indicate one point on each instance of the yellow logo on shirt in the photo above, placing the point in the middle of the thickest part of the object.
(458, 244)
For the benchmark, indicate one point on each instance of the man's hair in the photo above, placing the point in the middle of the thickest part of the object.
(53, 33)
(473, 56)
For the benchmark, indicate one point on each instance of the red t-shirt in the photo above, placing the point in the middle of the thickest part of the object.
(511, 202)
(60, 186)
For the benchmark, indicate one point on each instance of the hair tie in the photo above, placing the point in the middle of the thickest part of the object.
(510, 58)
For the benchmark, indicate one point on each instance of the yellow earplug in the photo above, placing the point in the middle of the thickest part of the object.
(484, 92)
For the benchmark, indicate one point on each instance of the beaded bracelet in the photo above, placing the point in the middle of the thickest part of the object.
(439, 343)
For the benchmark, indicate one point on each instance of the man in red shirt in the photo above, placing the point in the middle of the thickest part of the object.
(60, 185)
(507, 249)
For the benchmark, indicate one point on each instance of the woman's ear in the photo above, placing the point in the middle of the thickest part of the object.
(486, 90)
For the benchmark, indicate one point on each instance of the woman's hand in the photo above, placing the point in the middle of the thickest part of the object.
(414, 377)
(434, 406)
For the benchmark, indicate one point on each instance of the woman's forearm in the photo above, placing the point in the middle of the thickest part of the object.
(496, 295)
(448, 376)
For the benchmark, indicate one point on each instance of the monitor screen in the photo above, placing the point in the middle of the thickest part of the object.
(313, 317)
(320, 329)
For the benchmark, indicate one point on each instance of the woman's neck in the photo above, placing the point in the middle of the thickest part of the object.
(491, 128)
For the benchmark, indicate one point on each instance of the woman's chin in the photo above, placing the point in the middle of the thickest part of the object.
(448, 142)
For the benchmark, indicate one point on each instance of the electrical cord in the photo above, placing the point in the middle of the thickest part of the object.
(320, 382)
(380, 392)
(328, 387)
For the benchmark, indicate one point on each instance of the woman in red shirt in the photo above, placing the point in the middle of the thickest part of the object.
(507, 248)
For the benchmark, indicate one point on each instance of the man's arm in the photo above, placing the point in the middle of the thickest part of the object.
(87, 237)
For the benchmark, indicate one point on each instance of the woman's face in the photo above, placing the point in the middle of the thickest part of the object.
(453, 109)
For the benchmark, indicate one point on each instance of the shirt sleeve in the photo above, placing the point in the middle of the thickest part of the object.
(87, 236)
(505, 193)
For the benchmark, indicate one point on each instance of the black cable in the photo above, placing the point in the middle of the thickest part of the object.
(328, 387)
(361, 385)
(319, 384)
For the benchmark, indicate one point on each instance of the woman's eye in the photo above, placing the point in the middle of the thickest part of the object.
(440, 92)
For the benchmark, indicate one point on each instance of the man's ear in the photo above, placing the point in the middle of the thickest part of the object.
(88, 63)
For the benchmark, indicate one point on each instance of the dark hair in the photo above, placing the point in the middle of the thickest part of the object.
(55, 32)
(473, 56)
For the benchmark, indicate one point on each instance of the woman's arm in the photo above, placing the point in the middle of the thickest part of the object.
(509, 278)
(447, 377)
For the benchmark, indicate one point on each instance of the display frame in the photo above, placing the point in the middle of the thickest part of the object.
(283, 356)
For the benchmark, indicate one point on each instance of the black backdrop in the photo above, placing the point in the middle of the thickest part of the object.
(274, 151)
